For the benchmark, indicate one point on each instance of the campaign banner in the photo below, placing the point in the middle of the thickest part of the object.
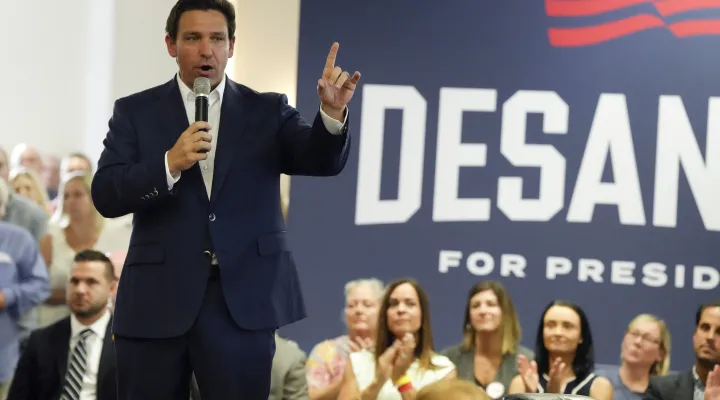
(570, 149)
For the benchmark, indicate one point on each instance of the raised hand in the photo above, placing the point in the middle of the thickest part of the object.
(336, 87)
(556, 375)
(405, 357)
(712, 385)
(529, 374)
(385, 363)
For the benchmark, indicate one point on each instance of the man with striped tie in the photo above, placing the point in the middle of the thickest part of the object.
(73, 359)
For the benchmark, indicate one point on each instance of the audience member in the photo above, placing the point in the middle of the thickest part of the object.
(76, 225)
(645, 352)
(564, 357)
(79, 346)
(488, 353)
(51, 175)
(25, 214)
(695, 383)
(23, 285)
(454, 389)
(287, 379)
(404, 359)
(326, 364)
(26, 183)
(26, 156)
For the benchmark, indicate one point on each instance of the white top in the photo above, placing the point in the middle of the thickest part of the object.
(363, 364)
(93, 346)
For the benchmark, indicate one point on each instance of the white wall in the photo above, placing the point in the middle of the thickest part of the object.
(63, 68)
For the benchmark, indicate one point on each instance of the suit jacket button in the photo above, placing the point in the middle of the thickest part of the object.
(211, 217)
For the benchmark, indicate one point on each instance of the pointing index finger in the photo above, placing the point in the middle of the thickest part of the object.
(330, 63)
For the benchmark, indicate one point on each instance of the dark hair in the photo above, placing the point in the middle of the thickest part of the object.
(223, 6)
(584, 360)
(96, 256)
(702, 309)
(424, 348)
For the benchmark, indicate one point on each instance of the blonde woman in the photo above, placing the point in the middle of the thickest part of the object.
(75, 226)
(488, 354)
(26, 183)
(645, 352)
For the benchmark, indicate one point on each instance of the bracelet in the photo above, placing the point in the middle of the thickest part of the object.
(405, 387)
(402, 381)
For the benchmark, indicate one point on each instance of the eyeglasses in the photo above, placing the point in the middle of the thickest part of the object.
(644, 336)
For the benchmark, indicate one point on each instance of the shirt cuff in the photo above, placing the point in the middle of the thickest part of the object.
(171, 180)
(332, 125)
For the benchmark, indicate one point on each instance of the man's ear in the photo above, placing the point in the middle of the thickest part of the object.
(171, 46)
(232, 47)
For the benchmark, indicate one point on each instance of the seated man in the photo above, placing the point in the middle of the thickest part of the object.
(79, 347)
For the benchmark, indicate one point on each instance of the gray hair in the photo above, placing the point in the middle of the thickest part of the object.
(4, 196)
(376, 284)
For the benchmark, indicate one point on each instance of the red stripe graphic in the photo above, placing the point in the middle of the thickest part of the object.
(589, 35)
(670, 7)
(694, 28)
(582, 8)
(567, 37)
(575, 8)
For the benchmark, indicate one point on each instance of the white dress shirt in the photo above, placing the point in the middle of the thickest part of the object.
(215, 99)
(93, 347)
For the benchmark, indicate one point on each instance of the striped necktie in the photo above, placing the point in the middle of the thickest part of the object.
(76, 369)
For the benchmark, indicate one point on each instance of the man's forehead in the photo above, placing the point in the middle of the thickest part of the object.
(199, 21)
(88, 269)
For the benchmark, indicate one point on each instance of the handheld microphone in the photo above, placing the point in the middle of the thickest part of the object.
(201, 88)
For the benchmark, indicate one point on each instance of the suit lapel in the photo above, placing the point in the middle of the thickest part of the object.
(107, 358)
(172, 106)
(232, 124)
(62, 345)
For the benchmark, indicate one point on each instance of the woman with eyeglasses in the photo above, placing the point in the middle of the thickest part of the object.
(645, 352)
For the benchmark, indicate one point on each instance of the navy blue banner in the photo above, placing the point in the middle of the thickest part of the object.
(570, 149)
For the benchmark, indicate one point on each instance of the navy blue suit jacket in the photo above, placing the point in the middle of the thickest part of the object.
(166, 271)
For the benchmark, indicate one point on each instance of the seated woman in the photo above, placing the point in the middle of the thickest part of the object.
(403, 360)
(488, 353)
(564, 357)
(645, 352)
(325, 366)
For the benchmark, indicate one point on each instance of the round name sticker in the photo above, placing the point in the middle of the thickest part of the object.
(495, 390)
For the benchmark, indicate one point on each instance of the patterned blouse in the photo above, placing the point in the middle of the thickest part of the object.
(326, 362)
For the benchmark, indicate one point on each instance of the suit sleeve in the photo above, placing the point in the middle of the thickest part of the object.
(125, 182)
(296, 387)
(22, 386)
(310, 149)
(652, 392)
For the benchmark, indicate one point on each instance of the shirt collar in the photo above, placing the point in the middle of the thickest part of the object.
(189, 95)
(98, 327)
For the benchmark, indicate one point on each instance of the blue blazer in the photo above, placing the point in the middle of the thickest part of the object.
(166, 271)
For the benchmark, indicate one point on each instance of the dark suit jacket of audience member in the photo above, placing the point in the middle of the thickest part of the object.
(41, 370)
(287, 380)
(678, 386)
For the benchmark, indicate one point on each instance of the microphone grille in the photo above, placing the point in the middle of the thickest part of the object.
(201, 86)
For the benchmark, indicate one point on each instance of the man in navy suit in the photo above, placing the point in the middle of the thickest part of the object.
(208, 276)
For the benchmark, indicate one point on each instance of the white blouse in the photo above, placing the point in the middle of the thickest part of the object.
(363, 364)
